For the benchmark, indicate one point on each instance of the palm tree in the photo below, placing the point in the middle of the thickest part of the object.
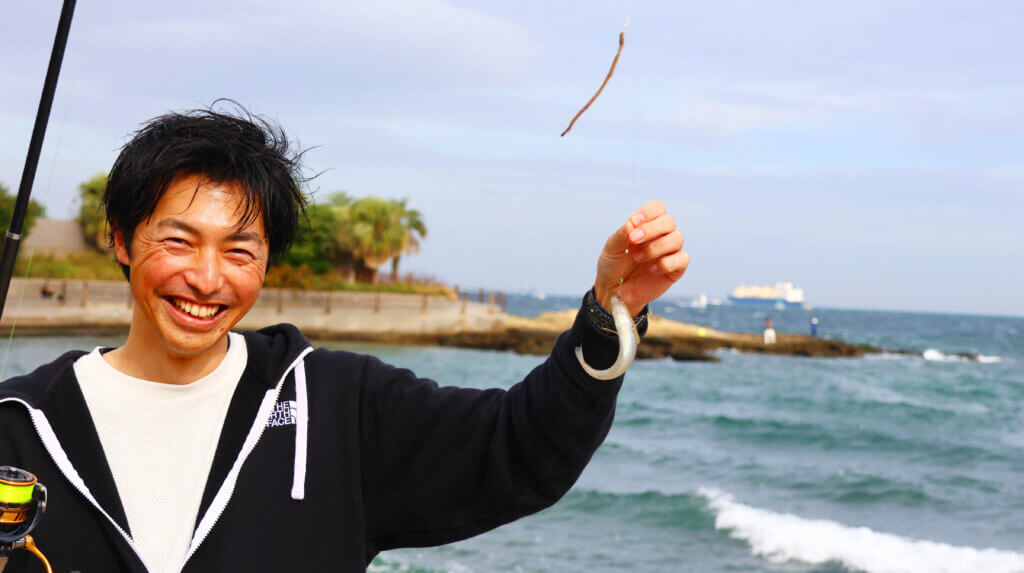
(376, 233)
(415, 229)
(344, 242)
(371, 230)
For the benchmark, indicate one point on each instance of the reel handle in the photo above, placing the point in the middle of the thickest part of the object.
(28, 544)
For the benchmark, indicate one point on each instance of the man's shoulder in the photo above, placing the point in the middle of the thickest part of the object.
(334, 362)
(278, 345)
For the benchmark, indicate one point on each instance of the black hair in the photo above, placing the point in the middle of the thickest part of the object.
(222, 147)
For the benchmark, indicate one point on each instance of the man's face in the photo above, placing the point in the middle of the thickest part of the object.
(194, 272)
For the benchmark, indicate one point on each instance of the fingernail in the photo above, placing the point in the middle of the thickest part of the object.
(636, 235)
(638, 256)
(637, 218)
(655, 269)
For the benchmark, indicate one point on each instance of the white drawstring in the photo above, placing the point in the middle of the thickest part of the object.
(301, 431)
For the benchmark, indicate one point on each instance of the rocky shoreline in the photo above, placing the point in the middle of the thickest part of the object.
(665, 339)
(478, 327)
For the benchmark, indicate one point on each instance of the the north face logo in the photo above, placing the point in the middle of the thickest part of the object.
(283, 414)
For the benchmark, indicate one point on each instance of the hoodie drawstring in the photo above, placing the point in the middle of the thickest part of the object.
(301, 433)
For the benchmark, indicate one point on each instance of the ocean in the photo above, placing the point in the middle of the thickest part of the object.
(890, 463)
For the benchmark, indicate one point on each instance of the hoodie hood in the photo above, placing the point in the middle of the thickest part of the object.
(41, 387)
(272, 350)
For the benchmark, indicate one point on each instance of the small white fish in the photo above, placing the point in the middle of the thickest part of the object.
(628, 340)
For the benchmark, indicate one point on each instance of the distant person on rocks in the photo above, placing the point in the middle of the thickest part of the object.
(769, 332)
(194, 448)
(47, 290)
(814, 326)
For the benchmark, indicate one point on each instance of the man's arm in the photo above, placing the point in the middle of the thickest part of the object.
(444, 463)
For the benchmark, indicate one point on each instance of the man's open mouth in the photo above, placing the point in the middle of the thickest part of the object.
(201, 311)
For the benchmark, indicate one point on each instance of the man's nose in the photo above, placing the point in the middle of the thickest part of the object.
(205, 275)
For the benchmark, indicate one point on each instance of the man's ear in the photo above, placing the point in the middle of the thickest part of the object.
(121, 249)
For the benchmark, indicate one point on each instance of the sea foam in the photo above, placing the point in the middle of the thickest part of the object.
(933, 355)
(781, 537)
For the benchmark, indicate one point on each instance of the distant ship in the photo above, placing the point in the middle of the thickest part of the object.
(782, 295)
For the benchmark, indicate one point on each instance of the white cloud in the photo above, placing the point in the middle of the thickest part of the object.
(431, 36)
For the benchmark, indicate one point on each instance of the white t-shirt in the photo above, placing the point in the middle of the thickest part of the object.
(160, 440)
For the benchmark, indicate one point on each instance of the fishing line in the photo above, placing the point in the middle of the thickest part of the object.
(630, 226)
(49, 183)
(625, 328)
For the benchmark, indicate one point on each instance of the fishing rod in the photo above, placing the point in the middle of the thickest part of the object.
(12, 241)
(22, 497)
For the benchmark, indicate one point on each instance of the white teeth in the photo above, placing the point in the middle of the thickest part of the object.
(196, 310)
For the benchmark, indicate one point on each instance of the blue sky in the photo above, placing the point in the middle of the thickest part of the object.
(871, 153)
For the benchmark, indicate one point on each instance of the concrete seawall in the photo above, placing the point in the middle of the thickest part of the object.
(80, 307)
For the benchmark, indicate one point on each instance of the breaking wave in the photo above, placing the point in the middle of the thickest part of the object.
(933, 355)
(781, 537)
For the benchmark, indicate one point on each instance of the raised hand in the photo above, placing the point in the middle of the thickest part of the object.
(646, 253)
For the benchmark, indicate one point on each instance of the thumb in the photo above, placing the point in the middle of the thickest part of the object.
(618, 242)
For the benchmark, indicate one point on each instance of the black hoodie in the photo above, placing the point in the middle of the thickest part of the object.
(326, 458)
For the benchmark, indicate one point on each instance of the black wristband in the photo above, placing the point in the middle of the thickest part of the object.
(604, 323)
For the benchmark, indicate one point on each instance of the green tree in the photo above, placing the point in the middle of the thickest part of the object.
(356, 236)
(7, 201)
(316, 244)
(339, 199)
(91, 215)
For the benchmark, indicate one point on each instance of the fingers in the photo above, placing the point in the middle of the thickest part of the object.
(651, 228)
(618, 242)
(651, 222)
(673, 265)
(660, 247)
(648, 212)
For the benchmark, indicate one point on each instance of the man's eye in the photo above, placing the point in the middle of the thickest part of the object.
(177, 242)
(242, 252)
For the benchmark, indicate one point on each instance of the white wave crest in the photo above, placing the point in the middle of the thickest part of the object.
(781, 537)
(933, 355)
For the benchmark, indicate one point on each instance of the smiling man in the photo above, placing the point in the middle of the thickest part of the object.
(195, 448)
(195, 270)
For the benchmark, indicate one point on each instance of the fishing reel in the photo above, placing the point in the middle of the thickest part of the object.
(22, 503)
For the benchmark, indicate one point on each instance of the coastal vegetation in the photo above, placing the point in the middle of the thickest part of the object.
(7, 200)
(90, 213)
(83, 265)
(355, 237)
